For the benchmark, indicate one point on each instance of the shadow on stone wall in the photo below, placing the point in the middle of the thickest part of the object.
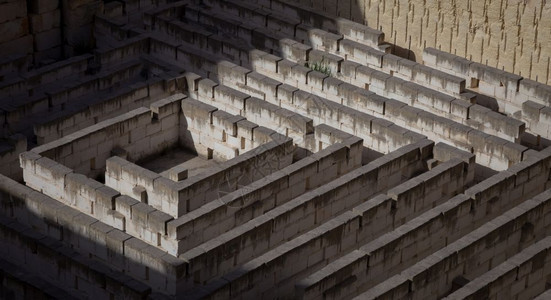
(355, 10)
(35, 241)
(93, 255)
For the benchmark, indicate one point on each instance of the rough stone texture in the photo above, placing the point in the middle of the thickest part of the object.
(468, 28)
(331, 165)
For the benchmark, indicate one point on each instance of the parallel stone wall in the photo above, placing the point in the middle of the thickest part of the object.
(46, 31)
(523, 276)
(514, 95)
(380, 136)
(61, 227)
(464, 213)
(477, 253)
(364, 222)
(500, 155)
(198, 190)
(141, 133)
(16, 39)
(303, 213)
(59, 101)
(508, 35)
(342, 169)
(54, 167)
(126, 100)
(239, 207)
(16, 284)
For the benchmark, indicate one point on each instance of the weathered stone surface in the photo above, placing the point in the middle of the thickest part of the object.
(265, 149)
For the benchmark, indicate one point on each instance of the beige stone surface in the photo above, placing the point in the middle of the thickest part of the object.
(179, 156)
(512, 35)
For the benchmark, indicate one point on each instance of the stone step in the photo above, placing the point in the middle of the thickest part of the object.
(316, 18)
(345, 47)
(510, 91)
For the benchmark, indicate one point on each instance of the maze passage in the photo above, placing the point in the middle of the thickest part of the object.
(265, 149)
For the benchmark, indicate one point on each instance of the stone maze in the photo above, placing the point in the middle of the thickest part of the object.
(232, 149)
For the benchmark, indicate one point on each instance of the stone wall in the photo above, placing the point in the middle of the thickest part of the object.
(46, 31)
(509, 35)
(303, 213)
(46, 28)
(514, 95)
(16, 284)
(494, 136)
(16, 39)
(379, 135)
(478, 252)
(66, 237)
(9, 156)
(239, 207)
(523, 276)
(270, 274)
(125, 100)
(198, 190)
(54, 168)
(356, 178)
(135, 132)
(464, 213)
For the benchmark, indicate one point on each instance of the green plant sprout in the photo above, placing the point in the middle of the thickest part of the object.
(319, 66)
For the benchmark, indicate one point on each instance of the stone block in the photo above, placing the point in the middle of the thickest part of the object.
(167, 106)
(270, 62)
(106, 196)
(157, 221)
(42, 6)
(348, 69)
(10, 10)
(206, 88)
(245, 129)
(196, 110)
(226, 122)
(229, 72)
(178, 173)
(529, 87)
(22, 45)
(285, 93)
(531, 110)
(140, 213)
(315, 80)
(460, 108)
(391, 62)
(300, 74)
(124, 204)
(47, 39)
(140, 193)
(229, 96)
